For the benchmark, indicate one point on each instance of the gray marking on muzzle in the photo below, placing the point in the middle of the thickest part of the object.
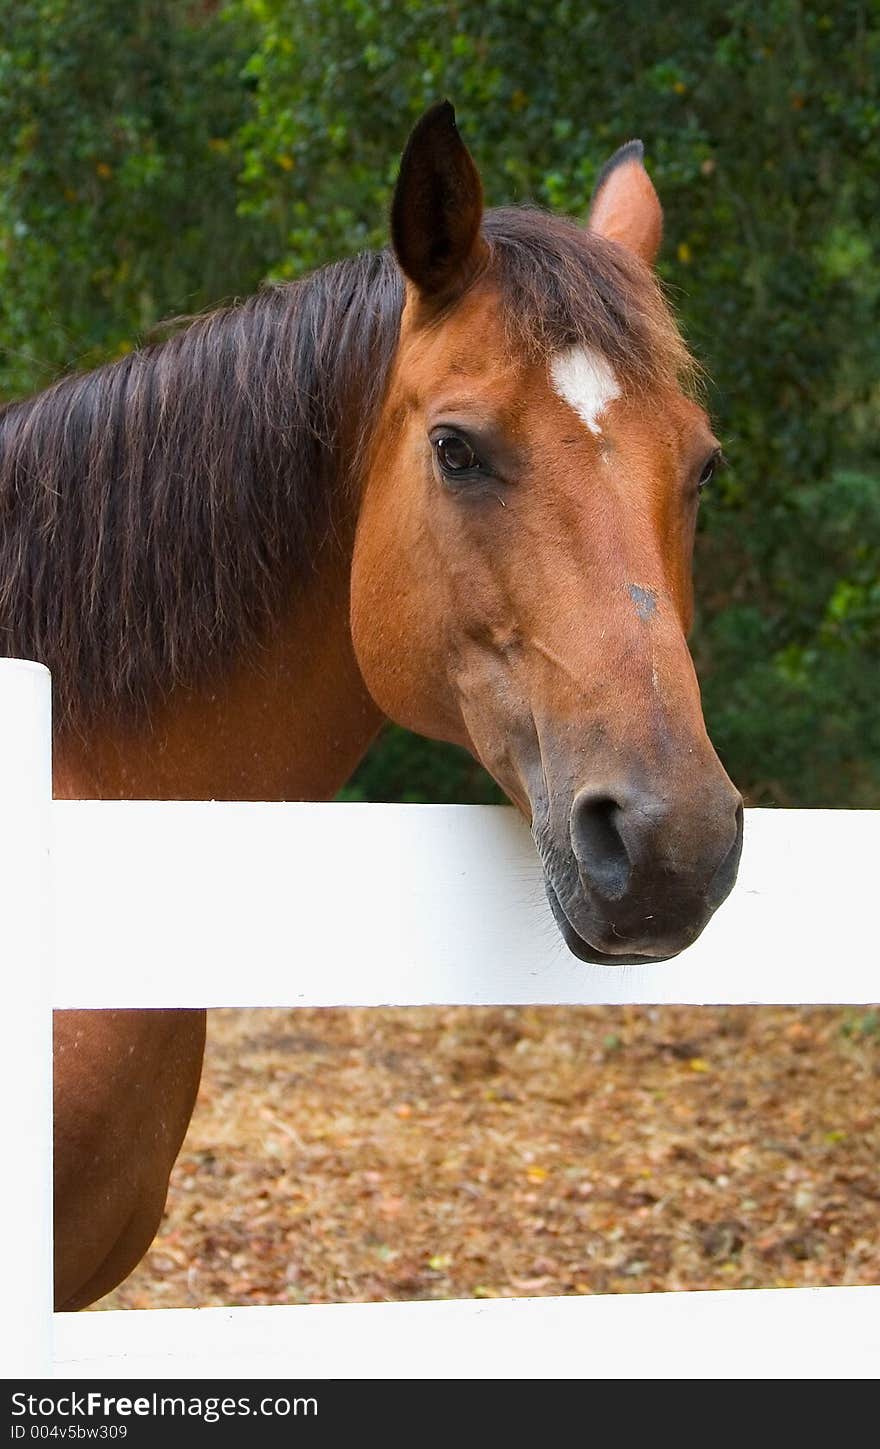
(645, 601)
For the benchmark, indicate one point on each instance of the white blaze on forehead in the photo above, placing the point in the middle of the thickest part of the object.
(586, 381)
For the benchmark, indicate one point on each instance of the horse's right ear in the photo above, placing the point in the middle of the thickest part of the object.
(437, 208)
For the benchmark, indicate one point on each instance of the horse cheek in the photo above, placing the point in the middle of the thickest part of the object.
(397, 630)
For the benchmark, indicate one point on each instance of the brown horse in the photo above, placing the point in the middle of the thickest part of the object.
(454, 485)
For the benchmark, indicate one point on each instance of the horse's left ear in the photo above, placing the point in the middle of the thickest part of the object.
(438, 207)
(625, 207)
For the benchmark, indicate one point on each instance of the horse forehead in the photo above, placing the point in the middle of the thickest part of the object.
(468, 353)
(478, 364)
(470, 342)
(663, 427)
(593, 409)
(587, 381)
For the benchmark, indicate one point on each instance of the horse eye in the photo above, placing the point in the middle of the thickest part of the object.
(709, 470)
(455, 454)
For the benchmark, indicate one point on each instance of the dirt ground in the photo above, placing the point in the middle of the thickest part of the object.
(488, 1152)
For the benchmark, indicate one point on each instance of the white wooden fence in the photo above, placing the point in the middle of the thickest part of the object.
(207, 904)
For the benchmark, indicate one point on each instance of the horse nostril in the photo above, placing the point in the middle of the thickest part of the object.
(598, 844)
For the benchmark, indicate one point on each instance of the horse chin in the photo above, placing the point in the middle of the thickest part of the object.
(591, 954)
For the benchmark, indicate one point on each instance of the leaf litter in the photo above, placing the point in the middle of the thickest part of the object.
(354, 1155)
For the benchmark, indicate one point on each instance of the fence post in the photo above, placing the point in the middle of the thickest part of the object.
(26, 1055)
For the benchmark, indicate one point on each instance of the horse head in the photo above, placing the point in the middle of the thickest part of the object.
(522, 569)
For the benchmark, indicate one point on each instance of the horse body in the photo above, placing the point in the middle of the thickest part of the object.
(458, 489)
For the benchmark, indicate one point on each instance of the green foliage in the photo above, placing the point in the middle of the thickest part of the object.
(405, 767)
(118, 176)
(792, 689)
(159, 155)
(862, 1027)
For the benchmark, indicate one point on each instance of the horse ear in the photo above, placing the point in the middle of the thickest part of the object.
(438, 207)
(625, 207)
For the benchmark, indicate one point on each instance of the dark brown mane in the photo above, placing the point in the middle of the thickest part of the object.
(158, 513)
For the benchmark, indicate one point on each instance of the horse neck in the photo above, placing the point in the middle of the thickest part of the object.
(289, 723)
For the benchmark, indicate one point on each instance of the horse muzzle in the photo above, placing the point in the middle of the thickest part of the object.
(637, 880)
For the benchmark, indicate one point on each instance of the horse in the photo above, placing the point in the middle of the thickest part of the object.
(452, 483)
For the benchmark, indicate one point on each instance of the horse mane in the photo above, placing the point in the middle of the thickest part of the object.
(156, 514)
(563, 285)
(159, 513)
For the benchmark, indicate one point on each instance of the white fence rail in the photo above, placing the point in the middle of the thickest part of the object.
(206, 904)
(193, 904)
